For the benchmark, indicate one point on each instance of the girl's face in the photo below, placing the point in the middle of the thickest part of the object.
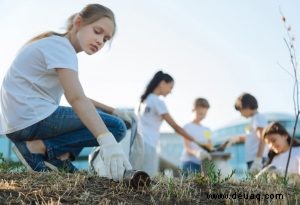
(278, 143)
(200, 113)
(166, 88)
(246, 112)
(92, 37)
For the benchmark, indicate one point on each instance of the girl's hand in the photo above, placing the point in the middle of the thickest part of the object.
(113, 157)
(207, 147)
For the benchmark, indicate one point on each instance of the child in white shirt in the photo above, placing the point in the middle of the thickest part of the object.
(279, 141)
(151, 113)
(191, 161)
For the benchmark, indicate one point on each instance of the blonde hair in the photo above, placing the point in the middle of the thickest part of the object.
(201, 102)
(89, 14)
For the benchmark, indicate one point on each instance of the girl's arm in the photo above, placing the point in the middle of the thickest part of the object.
(103, 107)
(111, 152)
(261, 145)
(167, 117)
(82, 105)
(258, 162)
(199, 153)
(124, 114)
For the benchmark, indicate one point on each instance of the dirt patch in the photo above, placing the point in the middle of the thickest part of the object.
(83, 188)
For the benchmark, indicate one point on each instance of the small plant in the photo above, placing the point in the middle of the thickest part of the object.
(290, 44)
(274, 177)
(283, 180)
(171, 188)
(214, 177)
(8, 166)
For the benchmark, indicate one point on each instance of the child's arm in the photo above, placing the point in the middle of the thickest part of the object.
(257, 163)
(261, 145)
(199, 153)
(182, 132)
(236, 139)
(111, 152)
(167, 117)
(103, 107)
(124, 114)
(82, 106)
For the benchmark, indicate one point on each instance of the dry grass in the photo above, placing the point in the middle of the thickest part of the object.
(83, 188)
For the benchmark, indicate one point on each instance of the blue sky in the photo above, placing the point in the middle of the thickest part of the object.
(213, 49)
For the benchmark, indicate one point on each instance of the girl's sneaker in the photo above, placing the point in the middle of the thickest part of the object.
(32, 161)
(61, 165)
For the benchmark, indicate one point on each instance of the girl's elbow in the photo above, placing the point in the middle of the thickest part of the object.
(72, 100)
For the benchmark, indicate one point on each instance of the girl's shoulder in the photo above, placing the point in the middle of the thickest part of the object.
(154, 98)
(55, 43)
(189, 124)
(55, 40)
(198, 126)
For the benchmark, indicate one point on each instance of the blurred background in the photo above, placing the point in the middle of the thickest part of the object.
(213, 49)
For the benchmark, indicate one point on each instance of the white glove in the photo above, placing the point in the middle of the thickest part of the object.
(113, 157)
(256, 165)
(202, 154)
(125, 114)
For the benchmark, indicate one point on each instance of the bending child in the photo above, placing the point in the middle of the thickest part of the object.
(48, 136)
(247, 105)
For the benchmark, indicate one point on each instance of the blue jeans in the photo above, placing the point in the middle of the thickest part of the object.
(63, 132)
(190, 168)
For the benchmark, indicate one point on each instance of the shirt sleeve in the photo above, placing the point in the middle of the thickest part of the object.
(261, 121)
(59, 53)
(161, 107)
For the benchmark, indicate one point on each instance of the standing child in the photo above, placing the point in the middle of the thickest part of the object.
(191, 159)
(152, 111)
(46, 135)
(279, 140)
(247, 105)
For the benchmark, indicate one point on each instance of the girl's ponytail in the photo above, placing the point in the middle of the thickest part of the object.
(154, 82)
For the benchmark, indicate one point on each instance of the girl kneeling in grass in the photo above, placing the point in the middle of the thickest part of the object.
(48, 136)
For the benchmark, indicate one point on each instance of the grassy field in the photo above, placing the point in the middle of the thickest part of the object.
(20, 187)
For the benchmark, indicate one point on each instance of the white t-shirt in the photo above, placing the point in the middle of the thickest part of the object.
(252, 140)
(31, 90)
(150, 118)
(199, 132)
(280, 160)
